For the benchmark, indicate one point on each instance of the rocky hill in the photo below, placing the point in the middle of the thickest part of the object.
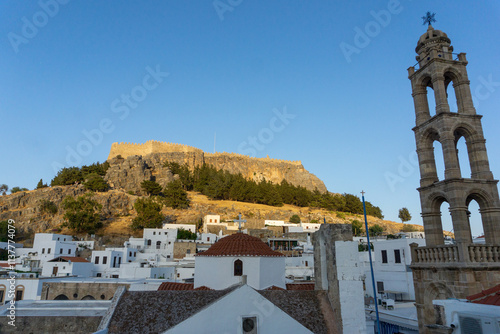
(130, 164)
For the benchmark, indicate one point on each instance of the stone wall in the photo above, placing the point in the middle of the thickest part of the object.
(78, 291)
(181, 249)
(443, 281)
(50, 325)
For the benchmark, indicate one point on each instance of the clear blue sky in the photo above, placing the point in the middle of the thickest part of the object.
(84, 66)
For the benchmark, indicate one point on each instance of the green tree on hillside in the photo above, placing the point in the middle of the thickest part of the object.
(4, 228)
(151, 187)
(148, 214)
(404, 215)
(82, 214)
(67, 176)
(295, 219)
(47, 206)
(175, 196)
(3, 189)
(357, 228)
(375, 230)
(41, 185)
(95, 182)
(17, 189)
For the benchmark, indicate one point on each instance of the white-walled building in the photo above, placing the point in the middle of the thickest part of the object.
(187, 227)
(238, 255)
(391, 265)
(211, 219)
(46, 246)
(67, 266)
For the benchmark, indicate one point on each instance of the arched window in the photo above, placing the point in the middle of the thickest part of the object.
(61, 297)
(88, 297)
(238, 268)
(149, 242)
(19, 292)
(158, 244)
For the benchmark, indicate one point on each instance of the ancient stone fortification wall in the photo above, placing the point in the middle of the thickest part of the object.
(155, 154)
(151, 146)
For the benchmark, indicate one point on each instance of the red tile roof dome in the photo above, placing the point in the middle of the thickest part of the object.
(240, 244)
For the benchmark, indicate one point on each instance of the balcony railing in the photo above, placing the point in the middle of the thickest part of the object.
(440, 254)
(484, 253)
(467, 254)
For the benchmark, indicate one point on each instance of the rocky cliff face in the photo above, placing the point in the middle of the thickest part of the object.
(24, 207)
(130, 164)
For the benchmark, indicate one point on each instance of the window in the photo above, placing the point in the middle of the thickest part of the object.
(384, 256)
(58, 239)
(238, 268)
(158, 244)
(99, 275)
(104, 259)
(210, 220)
(96, 260)
(129, 253)
(19, 292)
(48, 251)
(135, 254)
(69, 251)
(154, 233)
(114, 262)
(43, 250)
(380, 287)
(119, 261)
(60, 250)
(208, 239)
(2, 293)
(307, 264)
(112, 276)
(149, 242)
(188, 251)
(397, 256)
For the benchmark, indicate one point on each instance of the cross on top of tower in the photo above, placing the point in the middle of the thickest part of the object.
(429, 18)
(239, 220)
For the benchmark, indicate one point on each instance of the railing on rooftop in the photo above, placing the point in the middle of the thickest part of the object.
(484, 253)
(440, 254)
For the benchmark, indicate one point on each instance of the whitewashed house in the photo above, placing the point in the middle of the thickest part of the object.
(67, 266)
(46, 246)
(391, 265)
(236, 256)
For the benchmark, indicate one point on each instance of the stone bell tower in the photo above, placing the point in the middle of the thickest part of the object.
(450, 271)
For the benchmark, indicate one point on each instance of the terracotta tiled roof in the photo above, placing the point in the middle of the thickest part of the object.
(175, 286)
(300, 286)
(488, 297)
(69, 258)
(274, 287)
(240, 244)
(205, 288)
